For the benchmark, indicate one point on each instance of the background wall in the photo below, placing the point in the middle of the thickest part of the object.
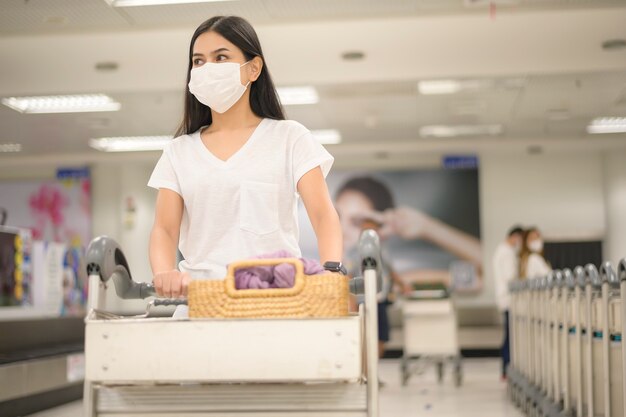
(615, 204)
(568, 195)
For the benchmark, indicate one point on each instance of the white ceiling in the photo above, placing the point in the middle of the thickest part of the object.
(49, 16)
(542, 57)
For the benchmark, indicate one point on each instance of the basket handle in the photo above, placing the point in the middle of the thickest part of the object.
(233, 292)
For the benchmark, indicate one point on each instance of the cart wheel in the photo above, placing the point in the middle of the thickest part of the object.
(440, 372)
(458, 372)
(458, 377)
(404, 367)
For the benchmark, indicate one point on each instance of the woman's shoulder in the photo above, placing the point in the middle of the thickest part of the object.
(536, 260)
(535, 257)
(179, 143)
(288, 128)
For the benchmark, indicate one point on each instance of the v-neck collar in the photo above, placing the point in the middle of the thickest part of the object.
(233, 158)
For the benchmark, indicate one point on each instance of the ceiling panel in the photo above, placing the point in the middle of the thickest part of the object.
(28, 16)
(50, 16)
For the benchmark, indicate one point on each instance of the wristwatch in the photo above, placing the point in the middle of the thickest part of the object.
(335, 267)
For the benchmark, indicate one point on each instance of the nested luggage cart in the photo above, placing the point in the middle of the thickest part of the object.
(430, 333)
(566, 331)
(145, 366)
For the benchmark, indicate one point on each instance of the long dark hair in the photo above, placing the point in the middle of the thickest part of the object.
(525, 252)
(264, 99)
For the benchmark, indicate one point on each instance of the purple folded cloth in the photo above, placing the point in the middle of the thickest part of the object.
(275, 276)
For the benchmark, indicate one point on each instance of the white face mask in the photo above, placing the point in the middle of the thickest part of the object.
(217, 85)
(536, 245)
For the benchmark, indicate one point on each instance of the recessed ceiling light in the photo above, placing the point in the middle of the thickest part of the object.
(10, 147)
(353, 55)
(297, 95)
(62, 104)
(132, 3)
(327, 136)
(614, 44)
(607, 125)
(106, 66)
(130, 143)
(444, 131)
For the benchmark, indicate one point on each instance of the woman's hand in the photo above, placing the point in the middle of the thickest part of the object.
(171, 284)
(404, 222)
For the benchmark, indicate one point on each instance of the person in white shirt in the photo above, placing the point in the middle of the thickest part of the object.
(505, 270)
(229, 183)
(532, 262)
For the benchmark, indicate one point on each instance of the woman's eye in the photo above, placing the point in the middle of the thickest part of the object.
(221, 58)
(197, 62)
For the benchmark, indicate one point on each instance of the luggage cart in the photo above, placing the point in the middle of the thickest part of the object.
(142, 366)
(552, 405)
(430, 312)
(514, 336)
(612, 341)
(594, 348)
(577, 360)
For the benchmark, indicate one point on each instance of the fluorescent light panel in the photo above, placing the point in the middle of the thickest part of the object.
(607, 125)
(62, 104)
(133, 3)
(327, 136)
(10, 147)
(298, 95)
(434, 87)
(443, 131)
(130, 143)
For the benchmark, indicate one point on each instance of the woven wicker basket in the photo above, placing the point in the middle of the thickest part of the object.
(324, 295)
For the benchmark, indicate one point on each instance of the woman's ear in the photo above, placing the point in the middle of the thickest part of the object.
(256, 65)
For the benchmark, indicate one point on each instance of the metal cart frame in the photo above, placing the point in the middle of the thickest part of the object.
(141, 366)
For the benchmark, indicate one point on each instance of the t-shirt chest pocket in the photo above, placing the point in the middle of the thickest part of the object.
(258, 207)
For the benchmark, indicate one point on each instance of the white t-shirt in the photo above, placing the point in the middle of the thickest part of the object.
(244, 206)
(505, 270)
(536, 266)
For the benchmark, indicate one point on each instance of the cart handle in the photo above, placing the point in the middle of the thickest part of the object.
(233, 292)
(621, 270)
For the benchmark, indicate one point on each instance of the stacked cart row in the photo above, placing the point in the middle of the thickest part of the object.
(567, 354)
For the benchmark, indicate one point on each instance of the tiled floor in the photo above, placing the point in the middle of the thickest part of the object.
(481, 395)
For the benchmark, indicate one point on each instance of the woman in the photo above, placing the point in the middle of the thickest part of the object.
(532, 262)
(229, 183)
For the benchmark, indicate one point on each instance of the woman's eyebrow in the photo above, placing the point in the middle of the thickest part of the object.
(220, 50)
(200, 54)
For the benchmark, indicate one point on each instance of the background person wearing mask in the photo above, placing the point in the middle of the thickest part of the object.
(505, 270)
(532, 262)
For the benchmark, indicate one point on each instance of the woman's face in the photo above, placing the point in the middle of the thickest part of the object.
(213, 47)
(532, 236)
(352, 206)
(534, 242)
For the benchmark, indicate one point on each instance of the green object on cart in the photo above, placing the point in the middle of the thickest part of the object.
(428, 292)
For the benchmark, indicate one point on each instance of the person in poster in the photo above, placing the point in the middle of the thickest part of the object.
(365, 198)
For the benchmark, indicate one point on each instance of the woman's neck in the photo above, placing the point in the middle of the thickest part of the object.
(239, 116)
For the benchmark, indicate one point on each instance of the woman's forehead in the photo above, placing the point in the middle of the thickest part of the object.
(210, 42)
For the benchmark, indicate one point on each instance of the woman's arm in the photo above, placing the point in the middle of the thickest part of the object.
(454, 241)
(163, 243)
(316, 198)
(409, 223)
